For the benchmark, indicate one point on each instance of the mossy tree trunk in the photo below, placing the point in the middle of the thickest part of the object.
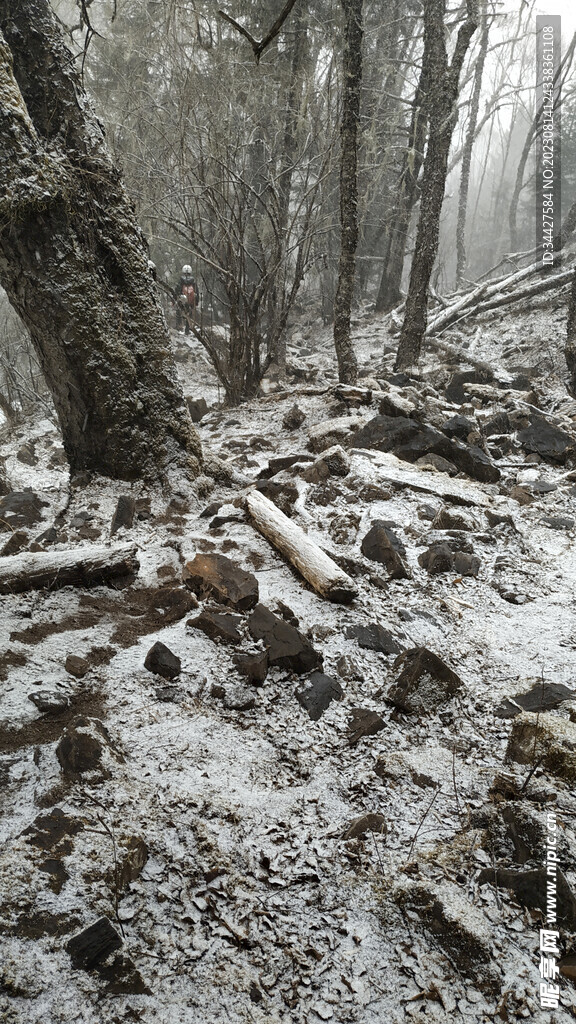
(74, 264)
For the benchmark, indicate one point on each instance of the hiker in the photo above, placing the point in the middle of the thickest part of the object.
(187, 299)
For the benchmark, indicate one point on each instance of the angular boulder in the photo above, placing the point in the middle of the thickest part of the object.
(215, 576)
(287, 647)
(319, 695)
(382, 545)
(425, 682)
(162, 661)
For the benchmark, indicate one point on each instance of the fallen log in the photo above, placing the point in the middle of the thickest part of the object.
(85, 567)
(327, 578)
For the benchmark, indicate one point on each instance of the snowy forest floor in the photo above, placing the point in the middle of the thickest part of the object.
(219, 828)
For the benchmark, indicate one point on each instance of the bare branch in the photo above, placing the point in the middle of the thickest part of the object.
(259, 47)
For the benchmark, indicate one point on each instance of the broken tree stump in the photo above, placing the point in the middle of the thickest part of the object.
(83, 567)
(327, 578)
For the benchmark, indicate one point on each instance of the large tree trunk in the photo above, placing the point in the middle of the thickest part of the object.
(443, 79)
(74, 264)
(352, 75)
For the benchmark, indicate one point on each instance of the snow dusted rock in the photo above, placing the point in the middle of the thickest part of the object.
(197, 407)
(371, 822)
(49, 702)
(333, 462)
(544, 739)
(218, 625)
(425, 682)
(382, 545)
(448, 519)
(436, 463)
(363, 723)
(162, 661)
(547, 440)
(440, 557)
(349, 669)
(238, 698)
(287, 648)
(393, 470)
(92, 945)
(319, 695)
(85, 746)
(76, 666)
(124, 514)
(215, 576)
(374, 637)
(20, 508)
(294, 418)
(330, 432)
(253, 665)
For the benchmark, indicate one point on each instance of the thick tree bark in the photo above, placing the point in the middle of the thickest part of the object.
(352, 75)
(570, 349)
(74, 264)
(443, 79)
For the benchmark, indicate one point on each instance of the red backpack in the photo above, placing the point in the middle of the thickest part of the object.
(188, 292)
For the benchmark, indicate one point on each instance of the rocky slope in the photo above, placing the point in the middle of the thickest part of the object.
(226, 797)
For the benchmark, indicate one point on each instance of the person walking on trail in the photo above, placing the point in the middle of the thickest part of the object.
(187, 299)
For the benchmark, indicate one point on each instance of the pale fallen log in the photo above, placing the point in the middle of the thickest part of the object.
(327, 578)
(85, 567)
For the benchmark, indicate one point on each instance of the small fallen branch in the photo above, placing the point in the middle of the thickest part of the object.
(83, 567)
(327, 578)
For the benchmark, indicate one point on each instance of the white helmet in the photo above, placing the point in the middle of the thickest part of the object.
(186, 269)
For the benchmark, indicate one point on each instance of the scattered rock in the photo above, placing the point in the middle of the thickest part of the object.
(437, 463)
(544, 739)
(363, 723)
(558, 522)
(162, 661)
(374, 637)
(449, 519)
(286, 646)
(49, 702)
(459, 426)
(319, 695)
(92, 945)
(283, 494)
(76, 666)
(122, 977)
(382, 545)
(425, 682)
(294, 418)
(335, 431)
(238, 698)
(124, 514)
(82, 746)
(280, 463)
(530, 889)
(371, 822)
(16, 542)
(440, 557)
(349, 669)
(218, 577)
(198, 408)
(252, 665)
(19, 508)
(455, 392)
(26, 454)
(218, 625)
(333, 462)
(542, 697)
(547, 440)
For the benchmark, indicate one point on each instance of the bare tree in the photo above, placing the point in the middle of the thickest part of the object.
(443, 78)
(74, 264)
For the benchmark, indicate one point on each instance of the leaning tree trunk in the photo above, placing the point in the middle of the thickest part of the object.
(352, 75)
(74, 264)
(443, 79)
(570, 349)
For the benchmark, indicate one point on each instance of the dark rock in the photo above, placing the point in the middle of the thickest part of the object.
(26, 454)
(210, 510)
(425, 682)
(17, 542)
(287, 648)
(384, 433)
(558, 522)
(319, 695)
(547, 440)
(122, 977)
(371, 822)
(162, 661)
(52, 831)
(253, 665)
(124, 514)
(438, 463)
(530, 889)
(255, 993)
(499, 519)
(498, 424)
(282, 494)
(49, 702)
(382, 545)
(218, 625)
(448, 519)
(76, 666)
(521, 495)
(286, 612)
(349, 669)
(437, 558)
(19, 508)
(92, 945)
(542, 697)
(82, 745)
(455, 391)
(332, 462)
(238, 698)
(374, 638)
(466, 564)
(294, 418)
(197, 407)
(458, 426)
(363, 723)
(218, 577)
(168, 694)
(280, 463)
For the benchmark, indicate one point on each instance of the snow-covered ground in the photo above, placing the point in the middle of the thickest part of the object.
(251, 906)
